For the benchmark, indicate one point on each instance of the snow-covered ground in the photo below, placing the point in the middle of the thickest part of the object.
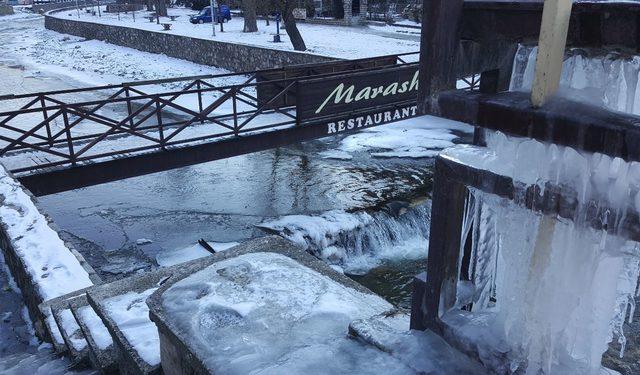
(336, 41)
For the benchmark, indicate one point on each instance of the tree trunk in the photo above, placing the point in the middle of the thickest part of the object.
(291, 27)
(161, 8)
(250, 21)
(149, 5)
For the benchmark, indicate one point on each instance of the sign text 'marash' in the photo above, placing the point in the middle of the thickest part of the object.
(358, 95)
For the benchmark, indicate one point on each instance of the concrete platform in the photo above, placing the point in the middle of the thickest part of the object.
(179, 350)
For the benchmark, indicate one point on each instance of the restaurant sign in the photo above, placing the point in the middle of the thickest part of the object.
(355, 97)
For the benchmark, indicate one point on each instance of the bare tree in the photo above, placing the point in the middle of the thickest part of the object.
(161, 8)
(265, 8)
(249, 10)
(286, 8)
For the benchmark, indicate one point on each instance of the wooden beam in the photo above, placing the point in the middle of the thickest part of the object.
(438, 48)
(553, 40)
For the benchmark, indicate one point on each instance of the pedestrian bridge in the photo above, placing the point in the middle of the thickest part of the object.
(67, 139)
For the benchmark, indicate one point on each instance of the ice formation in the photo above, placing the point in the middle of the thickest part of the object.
(170, 258)
(231, 312)
(552, 291)
(360, 241)
(610, 80)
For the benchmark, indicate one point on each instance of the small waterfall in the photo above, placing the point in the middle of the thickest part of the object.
(360, 241)
(609, 80)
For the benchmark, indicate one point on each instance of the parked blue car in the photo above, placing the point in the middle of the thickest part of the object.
(222, 14)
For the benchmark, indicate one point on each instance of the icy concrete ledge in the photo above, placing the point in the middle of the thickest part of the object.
(231, 56)
(177, 348)
(42, 264)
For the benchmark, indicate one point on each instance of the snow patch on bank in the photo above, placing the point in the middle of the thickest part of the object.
(419, 137)
(354, 42)
(51, 265)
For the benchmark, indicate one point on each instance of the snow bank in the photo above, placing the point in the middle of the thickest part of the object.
(131, 314)
(557, 291)
(51, 265)
(423, 351)
(266, 313)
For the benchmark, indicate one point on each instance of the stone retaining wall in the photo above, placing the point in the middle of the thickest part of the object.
(29, 287)
(234, 57)
(40, 8)
(5, 9)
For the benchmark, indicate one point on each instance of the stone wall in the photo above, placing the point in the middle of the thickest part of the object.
(29, 287)
(40, 8)
(5, 9)
(234, 57)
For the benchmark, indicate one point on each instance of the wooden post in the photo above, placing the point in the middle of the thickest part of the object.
(438, 48)
(445, 240)
(553, 39)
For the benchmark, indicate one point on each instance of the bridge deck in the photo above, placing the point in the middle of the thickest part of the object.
(67, 139)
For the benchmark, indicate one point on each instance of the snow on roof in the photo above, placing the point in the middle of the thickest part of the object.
(52, 266)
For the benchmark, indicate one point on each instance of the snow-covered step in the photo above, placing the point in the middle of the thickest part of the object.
(73, 336)
(121, 305)
(99, 340)
(71, 333)
(51, 325)
(59, 346)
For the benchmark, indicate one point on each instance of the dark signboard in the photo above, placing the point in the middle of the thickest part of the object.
(271, 82)
(356, 93)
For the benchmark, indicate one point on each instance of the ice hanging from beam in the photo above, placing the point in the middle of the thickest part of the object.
(609, 80)
(546, 294)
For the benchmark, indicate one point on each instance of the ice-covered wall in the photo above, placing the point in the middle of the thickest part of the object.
(609, 80)
(556, 290)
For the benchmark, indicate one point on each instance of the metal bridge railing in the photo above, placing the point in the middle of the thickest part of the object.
(69, 127)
